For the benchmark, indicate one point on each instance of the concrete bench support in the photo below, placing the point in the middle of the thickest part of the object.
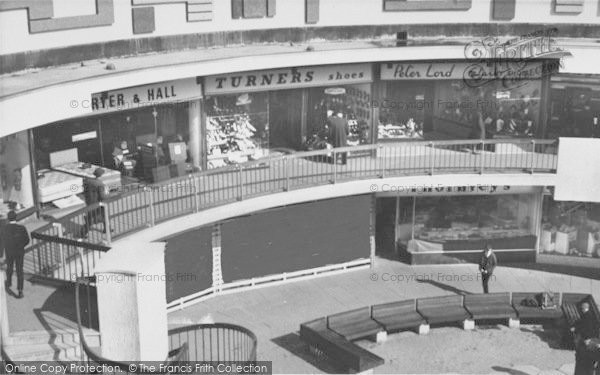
(514, 323)
(468, 324)
(381, 337)
(367, 372)
(423, 329)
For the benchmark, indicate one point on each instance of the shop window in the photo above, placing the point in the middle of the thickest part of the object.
(405, 111)
(487, 111)
(473, 217)
(575, 112)
(570, 228)
(352, 103)
(237, 128)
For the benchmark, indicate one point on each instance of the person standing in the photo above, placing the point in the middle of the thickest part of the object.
(339, 133)
(13, 239)
(95, 191)
(487, 264)
(585, 329)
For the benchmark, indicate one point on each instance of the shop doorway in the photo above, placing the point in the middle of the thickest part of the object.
(385, 243)
(285, 119)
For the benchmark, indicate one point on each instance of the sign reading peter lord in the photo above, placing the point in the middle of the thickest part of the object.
(146, 95)
(288, 78)
(457, 70)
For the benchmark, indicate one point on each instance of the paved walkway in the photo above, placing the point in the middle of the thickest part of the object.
(274, 313)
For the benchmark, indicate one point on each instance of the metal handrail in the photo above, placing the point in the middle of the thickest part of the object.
(236, 182)
(174, 356)
(228, 327)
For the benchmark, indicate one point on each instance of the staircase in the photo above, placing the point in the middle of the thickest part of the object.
(47, 346)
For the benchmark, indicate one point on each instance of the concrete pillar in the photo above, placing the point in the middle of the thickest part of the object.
(195, 130)
(132, 303)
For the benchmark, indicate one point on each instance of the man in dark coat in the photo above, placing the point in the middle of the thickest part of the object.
(585, 328)
(339, 133)
(487, 264)
(95, 191)
(13, 239)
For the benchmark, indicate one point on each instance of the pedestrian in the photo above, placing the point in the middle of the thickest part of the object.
(13, 239)
(585, 329)
(487, 264)
(339, 133)
(586, 326)
(95, 192)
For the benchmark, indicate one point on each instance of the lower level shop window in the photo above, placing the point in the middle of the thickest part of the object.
(570, 228)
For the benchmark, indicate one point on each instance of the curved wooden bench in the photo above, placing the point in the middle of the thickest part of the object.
(331, 336)
(345, 354)
(396, 316)
(447, 309)
(354, 324)
(534, 313)
(490, 306)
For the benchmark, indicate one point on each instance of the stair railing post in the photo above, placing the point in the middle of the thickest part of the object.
(107, 228)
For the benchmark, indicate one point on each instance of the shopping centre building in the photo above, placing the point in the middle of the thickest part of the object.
(468, 122)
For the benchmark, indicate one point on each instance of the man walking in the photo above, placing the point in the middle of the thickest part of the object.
(13, 239)
(487, 264)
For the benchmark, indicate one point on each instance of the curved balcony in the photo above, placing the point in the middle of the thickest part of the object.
(57, 244)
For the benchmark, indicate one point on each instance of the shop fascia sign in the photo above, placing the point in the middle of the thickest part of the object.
(288, 78)
(461, 70)
(416, 190)
(147, 95)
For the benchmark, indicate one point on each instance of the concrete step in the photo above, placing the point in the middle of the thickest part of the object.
(65, 336)
(42, 352)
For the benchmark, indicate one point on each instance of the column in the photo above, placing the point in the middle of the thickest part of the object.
(132, 302)
(195, 131)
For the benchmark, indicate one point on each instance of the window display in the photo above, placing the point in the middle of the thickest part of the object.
(570, 228)
(575, 111)
(403, 110)
(348, 102)
(237, 129)
(473, 217)
(512, 112)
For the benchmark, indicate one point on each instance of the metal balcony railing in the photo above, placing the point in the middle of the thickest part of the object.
(140, 206)
(200, 343)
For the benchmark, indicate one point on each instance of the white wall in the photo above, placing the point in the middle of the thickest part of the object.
(171, 20)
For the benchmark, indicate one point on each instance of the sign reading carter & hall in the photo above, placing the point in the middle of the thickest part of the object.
(146, 95)
(461, 70)
(288, 78)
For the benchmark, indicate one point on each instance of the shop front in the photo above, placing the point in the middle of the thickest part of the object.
(462, 100)
(575, 106)
(254, 114)
(423, 225)
(139, 134)
(570, 228)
